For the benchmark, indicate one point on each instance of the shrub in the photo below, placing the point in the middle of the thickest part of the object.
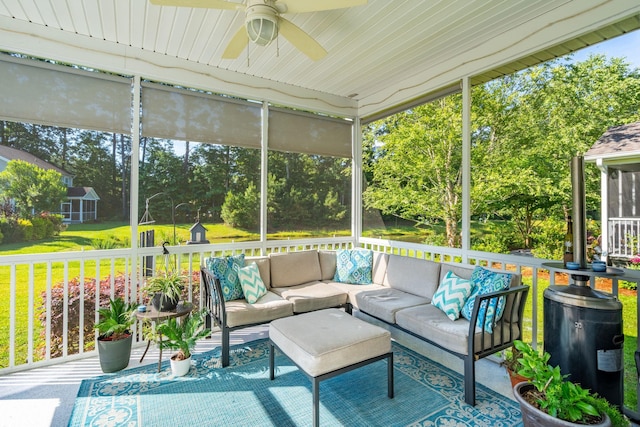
(10, 229)
(40, 226)
(89, 310)
(27, 228)
(633, 264)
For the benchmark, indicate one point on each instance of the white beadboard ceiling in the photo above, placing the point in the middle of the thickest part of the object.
(380, 54)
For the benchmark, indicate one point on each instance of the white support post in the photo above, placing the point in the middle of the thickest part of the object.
(135, 178)
(466, 166)
(264, 162)
(604, 208)
(356, 182)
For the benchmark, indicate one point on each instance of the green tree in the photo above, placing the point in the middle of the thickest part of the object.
(242, 209)
(32, 188)
(416, 173)
(529, 126)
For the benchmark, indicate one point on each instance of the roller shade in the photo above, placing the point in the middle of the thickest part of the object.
(187, 115)
(300, 132)
(38, 92)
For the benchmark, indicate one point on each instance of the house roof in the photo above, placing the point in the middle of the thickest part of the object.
(619, 146)
(10, 153)
(381, 55)
(85, 193)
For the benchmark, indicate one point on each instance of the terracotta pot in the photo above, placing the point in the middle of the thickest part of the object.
(515, 378)
(533, 417)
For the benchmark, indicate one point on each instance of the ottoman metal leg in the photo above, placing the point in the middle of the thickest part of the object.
(316, 401)
(390, 376)
(271, 360)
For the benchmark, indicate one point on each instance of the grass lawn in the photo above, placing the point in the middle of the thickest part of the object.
(111, 235)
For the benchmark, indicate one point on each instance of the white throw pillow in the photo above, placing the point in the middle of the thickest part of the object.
(252, 285)
(452, 294)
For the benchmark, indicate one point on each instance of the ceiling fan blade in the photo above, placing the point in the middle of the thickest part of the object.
(302, 6)
(211, 4)
(301, 40)
(237, 44)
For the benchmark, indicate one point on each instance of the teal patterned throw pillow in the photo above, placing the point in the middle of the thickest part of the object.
(226, 270)
(484, 282)
(354, 266)
(252, 285)
(452, 294)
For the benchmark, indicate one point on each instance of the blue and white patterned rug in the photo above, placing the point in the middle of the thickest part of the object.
(426, 394)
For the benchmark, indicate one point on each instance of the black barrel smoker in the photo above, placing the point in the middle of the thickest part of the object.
(583, 334)
(582, 326)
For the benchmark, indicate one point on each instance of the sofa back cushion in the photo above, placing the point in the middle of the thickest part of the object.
(264, 267)
(327, 264)
(294, 268)
(379, 271)
(415, 276)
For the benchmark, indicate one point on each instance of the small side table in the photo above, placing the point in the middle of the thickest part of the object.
(155, 316)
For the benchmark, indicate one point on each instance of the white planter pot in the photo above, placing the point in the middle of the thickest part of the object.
(179, 368)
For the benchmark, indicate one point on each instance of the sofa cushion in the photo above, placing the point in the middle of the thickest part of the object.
(354, 266)
(384, 303)
(294, 268)
(484, 282)
(252, 285)
(264, 265)
(352, 290)
(312, 296)
(379, 270)
(416, 276)
(327, 264)
(270, 306)
(226, 271)
(430, 322)
(452, 295)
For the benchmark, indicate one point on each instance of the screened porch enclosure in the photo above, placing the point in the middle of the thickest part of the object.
(161, 76)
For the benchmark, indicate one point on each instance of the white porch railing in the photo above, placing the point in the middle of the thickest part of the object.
(52, 298)
(624, 237)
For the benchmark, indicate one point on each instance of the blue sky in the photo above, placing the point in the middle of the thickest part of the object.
(626, 46)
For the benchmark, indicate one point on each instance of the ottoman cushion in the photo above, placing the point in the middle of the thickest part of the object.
(324, 341)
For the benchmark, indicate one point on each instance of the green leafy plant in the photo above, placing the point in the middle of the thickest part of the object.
(555, 395)
(182, 336)
(168, 283)
(115, 320)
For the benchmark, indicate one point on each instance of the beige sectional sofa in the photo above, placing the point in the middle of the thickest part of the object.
(400, 295)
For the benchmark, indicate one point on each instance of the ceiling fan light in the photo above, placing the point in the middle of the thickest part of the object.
(262, 30)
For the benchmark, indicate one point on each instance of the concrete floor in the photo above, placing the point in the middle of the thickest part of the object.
(45, 396)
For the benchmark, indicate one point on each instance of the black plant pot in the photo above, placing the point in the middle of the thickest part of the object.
(114, 355)
(162, 303)
(534, 417)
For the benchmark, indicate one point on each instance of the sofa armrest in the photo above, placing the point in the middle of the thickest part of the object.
(505, 330)
(213, 298)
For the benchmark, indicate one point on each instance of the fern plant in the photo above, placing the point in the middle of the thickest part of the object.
(115, 320)
(182, 336)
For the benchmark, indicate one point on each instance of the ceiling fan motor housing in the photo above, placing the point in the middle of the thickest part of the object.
(262, 22)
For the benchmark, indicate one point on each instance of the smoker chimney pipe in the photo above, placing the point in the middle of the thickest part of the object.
(579, 213)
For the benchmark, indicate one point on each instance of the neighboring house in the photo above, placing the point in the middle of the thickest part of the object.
(617, 155)
(82, 202)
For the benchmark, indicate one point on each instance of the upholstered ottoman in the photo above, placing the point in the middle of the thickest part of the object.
(327, 343)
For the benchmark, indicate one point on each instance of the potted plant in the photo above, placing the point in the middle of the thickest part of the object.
(165, 289)
(114, 336)
(182, 336)
(549, 399)
(511, 364)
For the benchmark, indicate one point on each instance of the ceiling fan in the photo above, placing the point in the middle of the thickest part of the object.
(263, 21)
